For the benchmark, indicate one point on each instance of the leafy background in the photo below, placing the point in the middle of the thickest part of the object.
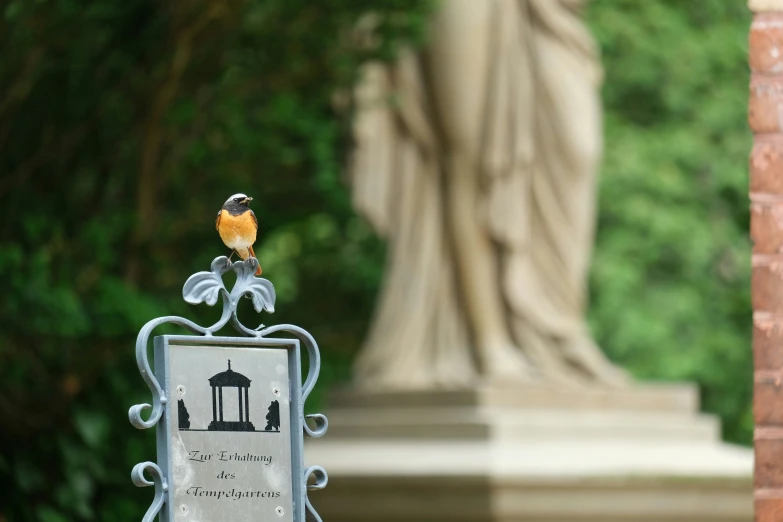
(124, 125)
(670, 280)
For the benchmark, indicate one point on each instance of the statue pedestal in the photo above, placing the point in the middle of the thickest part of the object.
(529, 454)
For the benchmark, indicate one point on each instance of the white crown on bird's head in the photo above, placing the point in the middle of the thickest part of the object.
(239, 196)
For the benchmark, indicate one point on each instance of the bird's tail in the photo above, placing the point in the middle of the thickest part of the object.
(253, 254)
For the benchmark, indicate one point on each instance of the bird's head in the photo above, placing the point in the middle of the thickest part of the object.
(237, 203)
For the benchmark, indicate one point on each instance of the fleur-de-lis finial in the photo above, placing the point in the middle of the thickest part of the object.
(207, 287)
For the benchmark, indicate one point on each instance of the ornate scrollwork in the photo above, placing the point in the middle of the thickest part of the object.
(321, 479)
(158, 480)
(207, 287)
(203, 287)
(314, 357)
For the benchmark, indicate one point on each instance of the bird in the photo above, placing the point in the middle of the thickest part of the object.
(238, 226)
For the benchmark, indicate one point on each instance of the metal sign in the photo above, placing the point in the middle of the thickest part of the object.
(229, 411)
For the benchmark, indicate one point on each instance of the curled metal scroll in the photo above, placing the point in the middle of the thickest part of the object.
(321, 479)
(158, 480)
(208, 287)
(314, 358)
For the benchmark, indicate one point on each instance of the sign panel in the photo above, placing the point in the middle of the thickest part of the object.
(230, 433)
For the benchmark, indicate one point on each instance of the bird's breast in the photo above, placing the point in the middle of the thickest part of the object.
(237, 231)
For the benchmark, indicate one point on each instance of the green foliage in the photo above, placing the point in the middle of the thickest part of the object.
(124, 126)
(671, 272)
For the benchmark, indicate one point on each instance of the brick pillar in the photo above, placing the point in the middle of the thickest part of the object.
(765, 116)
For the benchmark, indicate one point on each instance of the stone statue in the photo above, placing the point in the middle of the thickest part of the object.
(476, 159)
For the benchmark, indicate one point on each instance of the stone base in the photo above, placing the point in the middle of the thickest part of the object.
(529, 454)
(231, 426)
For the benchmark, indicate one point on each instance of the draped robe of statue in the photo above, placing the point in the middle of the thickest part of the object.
(475, 158)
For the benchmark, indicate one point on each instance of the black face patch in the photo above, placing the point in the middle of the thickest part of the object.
(236, 208)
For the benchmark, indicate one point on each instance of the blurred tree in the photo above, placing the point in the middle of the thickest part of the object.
(670, 282)
(123, 128)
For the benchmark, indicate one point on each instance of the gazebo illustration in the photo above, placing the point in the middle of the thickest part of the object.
(230, 379)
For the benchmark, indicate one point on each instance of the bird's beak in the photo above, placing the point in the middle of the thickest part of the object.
(247, 200)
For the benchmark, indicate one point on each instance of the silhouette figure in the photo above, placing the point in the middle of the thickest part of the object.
(184, 416)
(273, 417)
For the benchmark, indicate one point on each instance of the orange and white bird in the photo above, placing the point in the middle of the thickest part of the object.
(237, 226)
